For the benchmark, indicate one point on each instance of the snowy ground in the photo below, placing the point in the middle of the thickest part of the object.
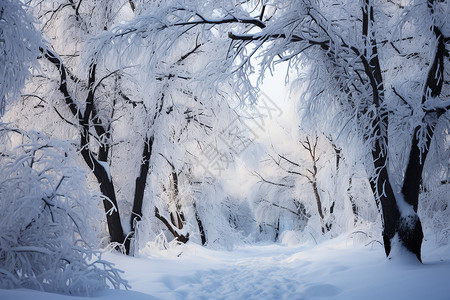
(335, 269)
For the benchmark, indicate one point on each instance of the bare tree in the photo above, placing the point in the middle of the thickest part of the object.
(308, 171)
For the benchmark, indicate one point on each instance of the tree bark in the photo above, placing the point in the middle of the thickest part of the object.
(352, 201)
(380, 183)
(180, 237)
(176, 217)
(410, 231)
(311, 148)
(319, 206)
(110, 204)
(141, 180)
(96, 165)
(383, 192)
(200, 225)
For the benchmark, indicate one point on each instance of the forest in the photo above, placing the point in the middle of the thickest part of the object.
(142, 128)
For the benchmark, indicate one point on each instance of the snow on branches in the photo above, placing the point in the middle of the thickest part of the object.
(19, 43)
(46, 220)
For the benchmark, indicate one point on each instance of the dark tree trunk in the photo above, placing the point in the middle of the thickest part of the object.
(337, 151)
(410, 236)
(180, 237)
(200, 226)
(382, 191)
(277, 229)
(107, 189)
(98, 166)
(132, 6)
(410, 231)
(141, 180)
(352, 201)
(110, 204)
(319, 206)
(139, 189)
(103, 177)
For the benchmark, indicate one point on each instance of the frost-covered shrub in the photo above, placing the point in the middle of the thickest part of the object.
(19, 42)
(435, 212)
(46, 217)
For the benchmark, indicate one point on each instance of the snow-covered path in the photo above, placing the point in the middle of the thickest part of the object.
(335, 269)
(260, 273)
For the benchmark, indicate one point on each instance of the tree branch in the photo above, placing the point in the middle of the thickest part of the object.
(271, 182)
(229, 20)
(55, 60)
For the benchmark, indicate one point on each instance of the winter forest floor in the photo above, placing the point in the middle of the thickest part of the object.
(334, 269)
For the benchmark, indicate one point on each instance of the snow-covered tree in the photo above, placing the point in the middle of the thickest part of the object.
(47, 238)
(361, 59)
(140, 85)
(19, 42)
(48, 219)
(311, 184)
(139, 134)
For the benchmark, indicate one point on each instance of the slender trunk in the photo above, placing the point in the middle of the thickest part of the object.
(139, 189)
(319, 205)
(132, 6)
(337, 151)
(277, 229)
(311, 148)
(352, 201)
(141, 180)
(200, 225)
